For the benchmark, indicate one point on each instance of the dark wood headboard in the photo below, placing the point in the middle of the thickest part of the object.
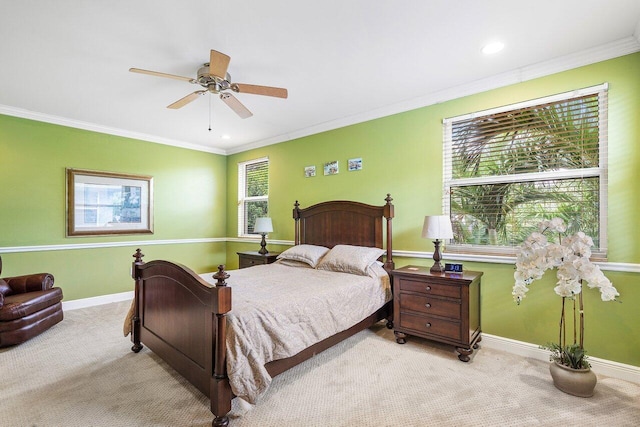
(344, 222)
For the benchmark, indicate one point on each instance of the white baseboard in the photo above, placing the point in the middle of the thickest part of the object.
(520, 348)
(599, 366)
(90, 302)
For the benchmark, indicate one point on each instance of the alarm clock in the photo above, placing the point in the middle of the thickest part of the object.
(453, 268)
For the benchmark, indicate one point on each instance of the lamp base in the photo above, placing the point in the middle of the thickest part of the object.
(437, 256)
(263, 246)
(436, 268)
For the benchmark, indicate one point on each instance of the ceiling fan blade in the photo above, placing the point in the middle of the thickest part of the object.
(278, 92)
(187, 99)
(218, 64)
(236, 105)
(156, 73)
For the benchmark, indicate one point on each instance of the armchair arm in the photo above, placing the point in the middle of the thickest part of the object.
(30, 283)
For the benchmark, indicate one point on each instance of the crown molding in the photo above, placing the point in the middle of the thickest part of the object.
(600, 53)
(56, 120)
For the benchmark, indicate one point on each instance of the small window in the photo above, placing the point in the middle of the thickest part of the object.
(253, 194)
(507, 169)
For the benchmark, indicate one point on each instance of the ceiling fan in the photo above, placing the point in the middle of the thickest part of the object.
(214, 78)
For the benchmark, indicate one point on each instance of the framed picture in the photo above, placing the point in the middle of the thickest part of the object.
(355, 164)
(331, 168)
(104, 203)
(309, 171)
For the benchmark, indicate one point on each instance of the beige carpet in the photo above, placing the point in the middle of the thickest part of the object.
(82, 373)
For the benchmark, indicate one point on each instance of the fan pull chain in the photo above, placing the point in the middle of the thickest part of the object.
(210, 113)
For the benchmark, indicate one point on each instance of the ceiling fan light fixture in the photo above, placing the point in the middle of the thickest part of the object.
(493, 47)
(214, 78)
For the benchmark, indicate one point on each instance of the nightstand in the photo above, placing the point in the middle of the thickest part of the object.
(442, 307)
(251, 258)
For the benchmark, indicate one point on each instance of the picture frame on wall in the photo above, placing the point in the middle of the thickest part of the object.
(309, 171)
(355, 164)
(331, 168)
(106, 203)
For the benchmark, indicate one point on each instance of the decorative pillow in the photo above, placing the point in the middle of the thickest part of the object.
(350, 259)
(292, 263)
(311, 254)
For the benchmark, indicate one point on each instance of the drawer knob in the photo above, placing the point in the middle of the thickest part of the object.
(428, 325)
(428, 288)
(427, 305)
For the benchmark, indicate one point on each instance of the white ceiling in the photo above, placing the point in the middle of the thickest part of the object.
(343, 61)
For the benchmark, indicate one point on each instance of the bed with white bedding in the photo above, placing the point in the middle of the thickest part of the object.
(329, 286)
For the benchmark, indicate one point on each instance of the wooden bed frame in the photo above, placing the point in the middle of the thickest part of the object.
(181, 317)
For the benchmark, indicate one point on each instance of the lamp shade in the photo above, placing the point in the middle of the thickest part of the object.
(437, 227)
(263, 225)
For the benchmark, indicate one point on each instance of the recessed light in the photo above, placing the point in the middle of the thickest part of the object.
(226, 137)
(491, 48)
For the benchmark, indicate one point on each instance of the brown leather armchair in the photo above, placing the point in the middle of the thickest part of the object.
(29, 305)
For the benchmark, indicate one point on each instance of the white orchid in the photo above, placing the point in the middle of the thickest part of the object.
(570, 257)
(536, 240)
(567, 288)
(555, 225)
(608, 293)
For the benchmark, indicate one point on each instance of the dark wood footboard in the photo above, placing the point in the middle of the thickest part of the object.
(181, 318)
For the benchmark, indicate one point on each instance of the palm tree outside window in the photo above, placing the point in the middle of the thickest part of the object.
(509, 168)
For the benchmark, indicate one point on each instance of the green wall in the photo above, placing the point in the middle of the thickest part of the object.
(402, 155)
(196, 198)
(189, 199)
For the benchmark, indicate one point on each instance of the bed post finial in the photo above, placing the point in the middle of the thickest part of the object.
(388, 199)
(138, 256)
(221, 276)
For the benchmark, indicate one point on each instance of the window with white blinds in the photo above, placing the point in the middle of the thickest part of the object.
(253, 194)
(508, 168)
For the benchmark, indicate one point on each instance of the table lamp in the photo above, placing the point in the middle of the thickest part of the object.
(437, 227)
(263, 226)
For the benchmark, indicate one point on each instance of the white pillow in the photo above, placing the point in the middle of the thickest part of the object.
(292, 263)
(350, 259)
(311, 254)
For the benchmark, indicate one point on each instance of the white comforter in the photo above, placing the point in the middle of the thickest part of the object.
(277, 311)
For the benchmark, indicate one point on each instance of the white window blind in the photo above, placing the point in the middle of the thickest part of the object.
(253, 194)
(508, 168)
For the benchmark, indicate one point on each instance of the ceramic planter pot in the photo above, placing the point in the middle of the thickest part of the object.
(578, 382)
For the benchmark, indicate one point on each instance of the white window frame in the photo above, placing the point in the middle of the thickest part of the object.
(242, 197)
(601, 171)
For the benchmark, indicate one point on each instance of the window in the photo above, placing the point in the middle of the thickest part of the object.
(508, 168)
(253, 193)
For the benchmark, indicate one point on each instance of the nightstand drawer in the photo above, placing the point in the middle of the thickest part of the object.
(430, 305)
(250, 258)
(431, 325)
(451, 291)
(249, 262)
